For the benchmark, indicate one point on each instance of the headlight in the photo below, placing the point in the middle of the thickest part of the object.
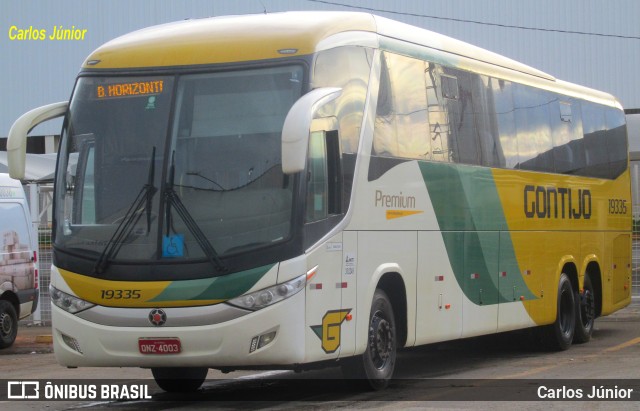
(68, 302)
(268, 296)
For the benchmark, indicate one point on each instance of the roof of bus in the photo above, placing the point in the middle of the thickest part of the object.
(267, 36)
(227, 39)
(264, 36)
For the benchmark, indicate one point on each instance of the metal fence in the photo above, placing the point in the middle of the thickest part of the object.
(46, 259)
(635, 246)
(42, 315)
(41, 216)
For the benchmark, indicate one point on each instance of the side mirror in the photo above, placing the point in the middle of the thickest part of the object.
(295, 132)
(17, 141)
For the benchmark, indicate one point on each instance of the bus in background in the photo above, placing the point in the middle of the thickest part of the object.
(18, 260)
(318, 188)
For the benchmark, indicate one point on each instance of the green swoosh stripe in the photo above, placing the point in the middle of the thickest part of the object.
(217, 288)
(475, 232)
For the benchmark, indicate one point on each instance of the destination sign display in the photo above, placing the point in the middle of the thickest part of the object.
(134, 88)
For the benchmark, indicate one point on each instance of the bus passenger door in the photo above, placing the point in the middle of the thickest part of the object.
(327, 314)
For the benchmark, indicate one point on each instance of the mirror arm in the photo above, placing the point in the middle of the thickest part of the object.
(17, 141)
(295, 131)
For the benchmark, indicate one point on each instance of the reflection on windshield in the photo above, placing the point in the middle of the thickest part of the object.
(227, 173)
(142, 204)
(106, 155)
(227, 152)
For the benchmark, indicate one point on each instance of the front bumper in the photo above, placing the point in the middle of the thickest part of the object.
(226, 344)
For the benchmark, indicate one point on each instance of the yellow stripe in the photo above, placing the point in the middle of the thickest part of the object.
(133, 294)
(566, 361)
(623, 345)
(391, 214)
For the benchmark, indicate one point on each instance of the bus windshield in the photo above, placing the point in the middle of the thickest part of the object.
(166, 168)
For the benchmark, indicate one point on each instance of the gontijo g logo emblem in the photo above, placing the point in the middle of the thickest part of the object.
(329, 331)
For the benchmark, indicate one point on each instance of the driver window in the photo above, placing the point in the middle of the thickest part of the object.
(317, 181)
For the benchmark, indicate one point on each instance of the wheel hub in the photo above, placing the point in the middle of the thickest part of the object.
(6, 325)
(380, 340)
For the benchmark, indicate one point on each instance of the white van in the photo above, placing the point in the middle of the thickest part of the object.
(18, 260)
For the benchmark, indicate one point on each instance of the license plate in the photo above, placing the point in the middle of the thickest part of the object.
(159, 346)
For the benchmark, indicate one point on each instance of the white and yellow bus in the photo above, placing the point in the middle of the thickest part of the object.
(283, 190)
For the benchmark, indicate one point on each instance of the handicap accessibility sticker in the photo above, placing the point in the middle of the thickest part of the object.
(173, 246)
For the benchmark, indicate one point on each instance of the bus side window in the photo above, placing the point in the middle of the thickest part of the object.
(317, 179)
(501, 94)
(401, 128)
(346, 67)
(616, 142)
(324, 176)
(437, 115)
(535, 146)
(594, 129)
(85, 203)
(457, 89)
(568, 152)
(489, 146)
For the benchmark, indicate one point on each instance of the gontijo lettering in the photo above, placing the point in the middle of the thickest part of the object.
(557, 202)
(138, 88)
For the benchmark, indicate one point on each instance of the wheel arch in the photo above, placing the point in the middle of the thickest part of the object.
(595, 275)
(569, 268)
(393, 285)
(12, 298)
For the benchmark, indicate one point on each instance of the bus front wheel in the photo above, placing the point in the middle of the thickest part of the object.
(376, 365)
(180, 379)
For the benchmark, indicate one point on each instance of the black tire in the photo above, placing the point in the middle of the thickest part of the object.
(586, 313)
(180, 379)
(8, 324)
(559, 335)
(376, 365)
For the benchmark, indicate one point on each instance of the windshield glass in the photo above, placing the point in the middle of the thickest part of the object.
(106, 154)
(226, 143)
(223, 187)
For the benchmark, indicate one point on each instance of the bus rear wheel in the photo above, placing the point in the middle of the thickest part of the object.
(376, 365)
(8, 324)
(586, 313)
(180, 379)
(559, 335)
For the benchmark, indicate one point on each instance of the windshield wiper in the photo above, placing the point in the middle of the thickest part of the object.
(197, 174)
(130, 219)
(172, 199)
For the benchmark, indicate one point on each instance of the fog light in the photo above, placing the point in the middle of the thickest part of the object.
(262, 341)
(266, 339)
(71, 343)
